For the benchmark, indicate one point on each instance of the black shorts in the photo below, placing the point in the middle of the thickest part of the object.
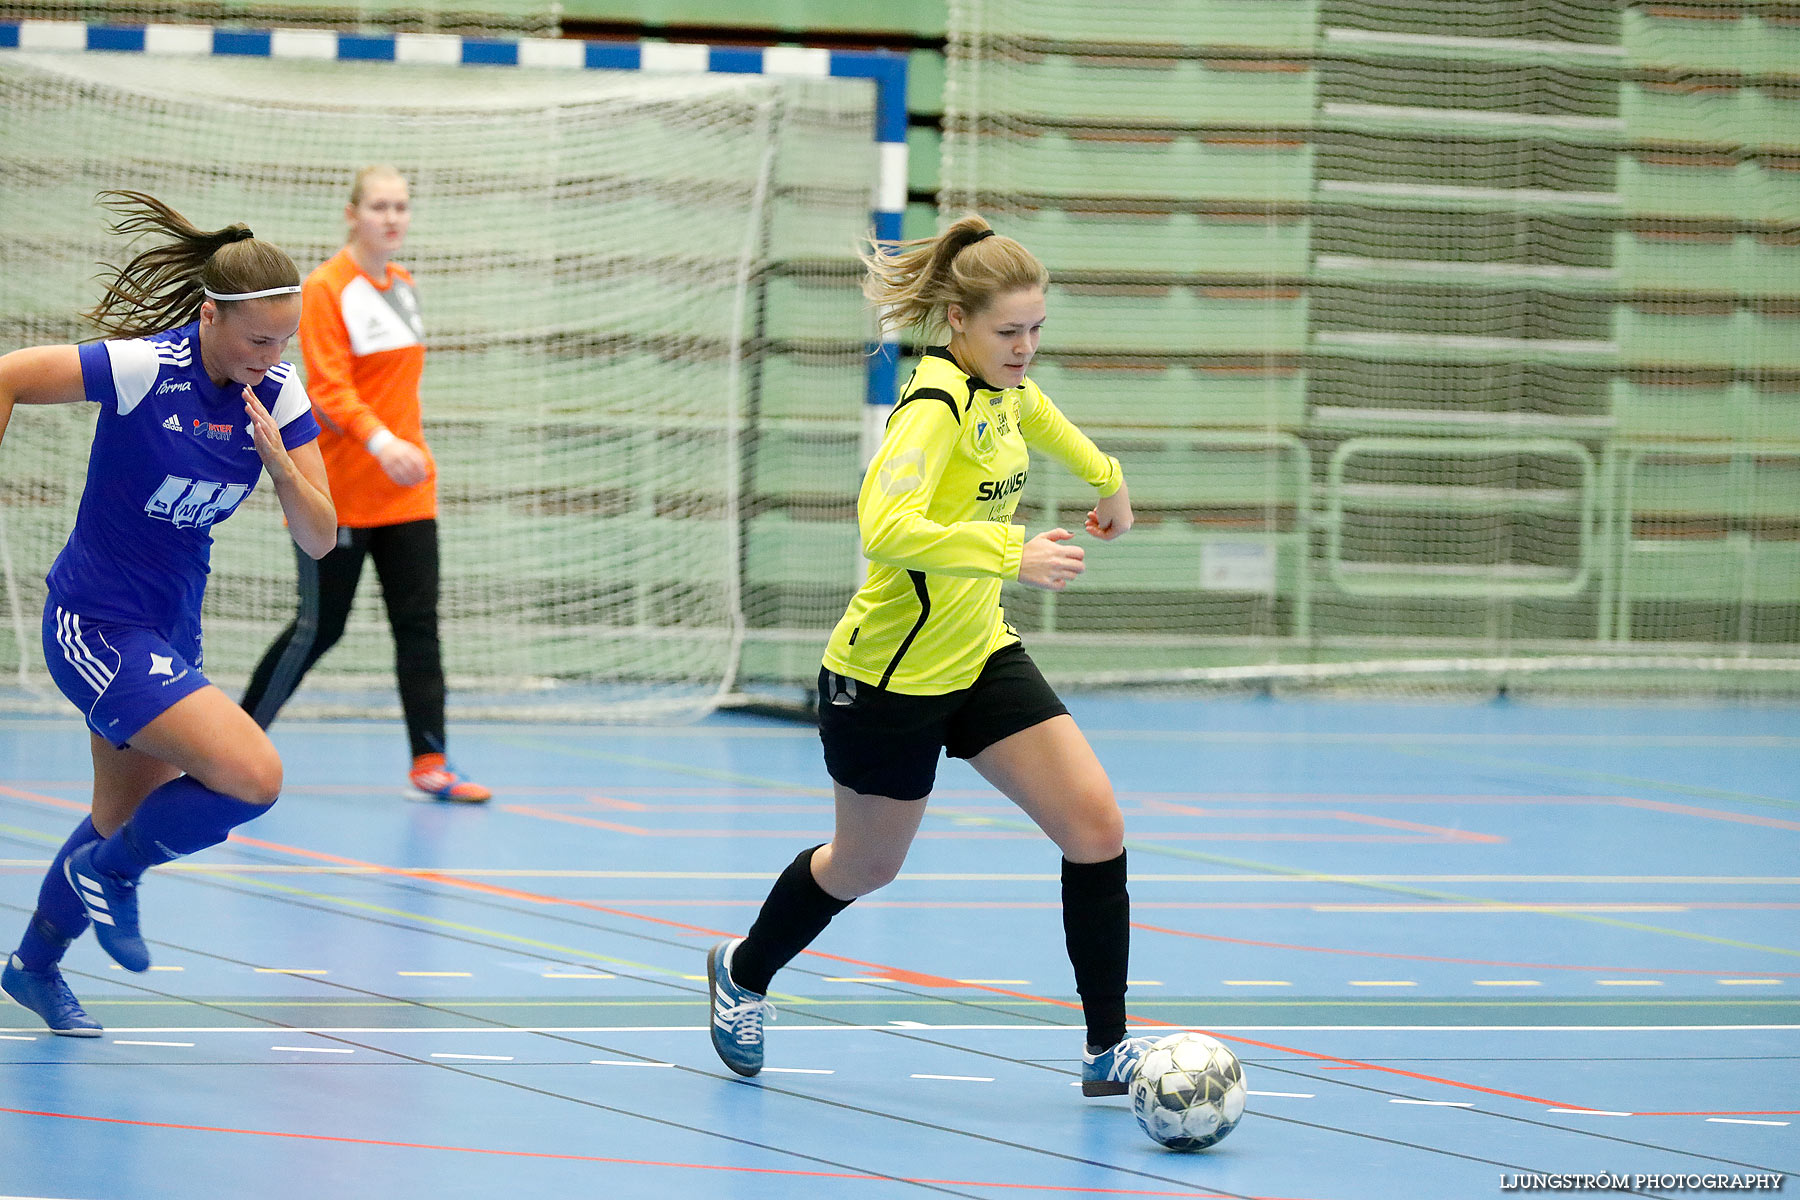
(883, 743)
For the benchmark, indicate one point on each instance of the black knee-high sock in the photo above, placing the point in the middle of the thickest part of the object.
(795, 913)
(1097, 927)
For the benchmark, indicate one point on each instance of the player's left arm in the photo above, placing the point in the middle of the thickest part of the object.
(39, 375)
(1045, 428)
(299, 479)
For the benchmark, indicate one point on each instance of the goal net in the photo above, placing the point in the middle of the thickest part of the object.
(628, 280)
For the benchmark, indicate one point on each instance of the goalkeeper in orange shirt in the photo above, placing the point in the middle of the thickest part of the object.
(363, 342)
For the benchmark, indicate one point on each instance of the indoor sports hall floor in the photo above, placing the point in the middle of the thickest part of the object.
(1454, 946)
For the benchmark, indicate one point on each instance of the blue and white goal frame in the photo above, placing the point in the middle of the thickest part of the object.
(885, 68)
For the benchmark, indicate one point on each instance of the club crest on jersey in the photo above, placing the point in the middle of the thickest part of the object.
(983, 441)
(218, 433)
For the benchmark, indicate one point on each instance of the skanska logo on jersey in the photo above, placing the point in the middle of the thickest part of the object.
(999, 489)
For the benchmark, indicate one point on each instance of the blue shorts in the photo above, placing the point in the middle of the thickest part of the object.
(122, 677)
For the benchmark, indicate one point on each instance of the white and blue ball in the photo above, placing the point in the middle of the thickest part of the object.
(1188, 1092)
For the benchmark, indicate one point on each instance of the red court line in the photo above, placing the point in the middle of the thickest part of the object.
(895, 973)
(587, 1158)
(539, 898)
(54, 801)
(1437, 958)
(1710, 814)
(1198, 905)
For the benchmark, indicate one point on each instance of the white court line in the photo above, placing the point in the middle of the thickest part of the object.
(476, 1057)
(314, 1049)
(959, 1078)
(808, 1071)
(15, 1037)
(333, 1030)
(123, 1042)
(625, 1062)
(1588, 1112)
(1740, 1121)
(1284, 1095)
(1433, 1103)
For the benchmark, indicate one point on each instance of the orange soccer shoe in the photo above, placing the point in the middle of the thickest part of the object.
(433, 775)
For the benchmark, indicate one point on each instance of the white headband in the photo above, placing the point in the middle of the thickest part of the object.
(274, 291)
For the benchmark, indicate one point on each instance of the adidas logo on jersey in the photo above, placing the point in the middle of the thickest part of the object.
(173, 422)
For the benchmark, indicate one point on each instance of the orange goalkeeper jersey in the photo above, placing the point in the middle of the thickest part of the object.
(363, 342)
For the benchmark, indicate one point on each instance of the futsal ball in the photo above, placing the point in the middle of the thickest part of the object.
(1188, 1092)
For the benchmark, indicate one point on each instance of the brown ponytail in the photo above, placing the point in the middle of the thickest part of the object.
(163, 287)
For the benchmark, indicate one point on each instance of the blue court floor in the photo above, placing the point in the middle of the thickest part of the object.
(1455, 947)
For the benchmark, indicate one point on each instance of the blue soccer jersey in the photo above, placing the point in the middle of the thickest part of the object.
(172, 455)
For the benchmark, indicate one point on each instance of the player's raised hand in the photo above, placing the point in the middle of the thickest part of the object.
(1048, 564)
(267, 436)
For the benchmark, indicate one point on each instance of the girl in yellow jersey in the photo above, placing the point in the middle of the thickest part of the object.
(924, 660)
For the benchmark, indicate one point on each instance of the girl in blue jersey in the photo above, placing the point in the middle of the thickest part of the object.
(194, 405)
(924, 662)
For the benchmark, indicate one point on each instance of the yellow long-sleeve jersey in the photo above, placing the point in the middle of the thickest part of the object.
(935, 514)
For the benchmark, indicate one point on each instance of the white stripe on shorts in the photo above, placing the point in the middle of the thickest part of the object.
(68, 635)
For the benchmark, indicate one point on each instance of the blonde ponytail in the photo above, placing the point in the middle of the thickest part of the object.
(915, 282)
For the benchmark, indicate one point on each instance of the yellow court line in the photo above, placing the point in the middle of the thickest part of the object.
(1629, 982)
(1508, 983)
(1383, 983)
